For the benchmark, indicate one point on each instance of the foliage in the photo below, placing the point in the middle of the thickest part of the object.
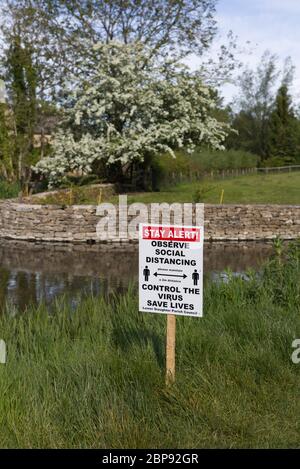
(228, 159)
(61, 31)
(6, 147)
(255, 104)
(274, 162)
(166, 169)
(201, 192)
(130, 109)
(284, 139)
(9, 190)
(54, 39)
(94, 377)
(20, 116)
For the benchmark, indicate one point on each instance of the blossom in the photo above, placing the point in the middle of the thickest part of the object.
(131, 106)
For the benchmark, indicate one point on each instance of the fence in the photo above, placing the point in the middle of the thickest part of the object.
(193, 176)
(279, 169)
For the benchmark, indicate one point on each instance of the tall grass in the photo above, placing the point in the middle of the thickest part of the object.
(94, 377)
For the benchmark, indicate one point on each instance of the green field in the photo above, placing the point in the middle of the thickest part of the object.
(94, 377)
(252, 189)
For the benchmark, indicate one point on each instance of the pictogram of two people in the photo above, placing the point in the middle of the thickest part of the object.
(195, 275)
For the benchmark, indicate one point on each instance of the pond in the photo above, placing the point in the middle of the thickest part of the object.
(31, 273)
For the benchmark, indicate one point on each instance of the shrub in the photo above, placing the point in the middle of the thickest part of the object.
(9, 190)
(276, 161)
(221, 160)
(167, 170)
(201, 192)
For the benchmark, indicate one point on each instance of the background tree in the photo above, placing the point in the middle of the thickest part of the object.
(30, 82)
(254, 105)
(23, 97)
(260, 116)
(6, 147)
(284, 138)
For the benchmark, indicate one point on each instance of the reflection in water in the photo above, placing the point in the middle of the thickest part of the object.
(32, 273)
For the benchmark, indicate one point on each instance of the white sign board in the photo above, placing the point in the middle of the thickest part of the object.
(171, 269)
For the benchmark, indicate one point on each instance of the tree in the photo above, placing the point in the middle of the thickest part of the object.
(22, 77)
(129, 109)
(255, 103)
(61, 32)
(30, 22)
(29, 82)
(284, 128)
(6, 148)
(162, 25)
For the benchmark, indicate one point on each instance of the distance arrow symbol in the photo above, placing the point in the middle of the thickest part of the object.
(169, 275)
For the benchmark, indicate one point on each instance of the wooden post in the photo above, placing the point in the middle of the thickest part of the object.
(170, 349)
(222, 196)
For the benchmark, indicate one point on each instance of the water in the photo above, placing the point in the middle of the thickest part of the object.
(31, 273)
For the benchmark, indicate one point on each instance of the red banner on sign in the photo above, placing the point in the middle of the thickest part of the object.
(171, 233)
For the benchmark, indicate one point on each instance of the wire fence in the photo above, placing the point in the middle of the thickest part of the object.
(279, 169)
(194, 176)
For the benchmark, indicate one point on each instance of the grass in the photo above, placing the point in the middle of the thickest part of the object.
(94, 377)
(281, 188)
(76, 195)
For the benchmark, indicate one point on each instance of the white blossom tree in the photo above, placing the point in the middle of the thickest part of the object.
(130, 108)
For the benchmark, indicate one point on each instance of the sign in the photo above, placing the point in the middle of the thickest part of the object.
(171, 269)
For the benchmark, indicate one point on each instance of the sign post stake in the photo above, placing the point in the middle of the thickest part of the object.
(171, 277)
(170, 349)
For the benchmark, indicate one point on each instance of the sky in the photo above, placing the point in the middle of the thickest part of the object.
(267, 24)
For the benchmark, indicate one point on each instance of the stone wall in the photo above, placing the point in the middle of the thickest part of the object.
(252, 222)
(77, 223)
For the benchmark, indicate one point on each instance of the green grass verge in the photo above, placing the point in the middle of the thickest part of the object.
(94, 377)
(251, 189)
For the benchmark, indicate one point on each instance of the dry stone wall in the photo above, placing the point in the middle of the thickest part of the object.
(77, 223)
